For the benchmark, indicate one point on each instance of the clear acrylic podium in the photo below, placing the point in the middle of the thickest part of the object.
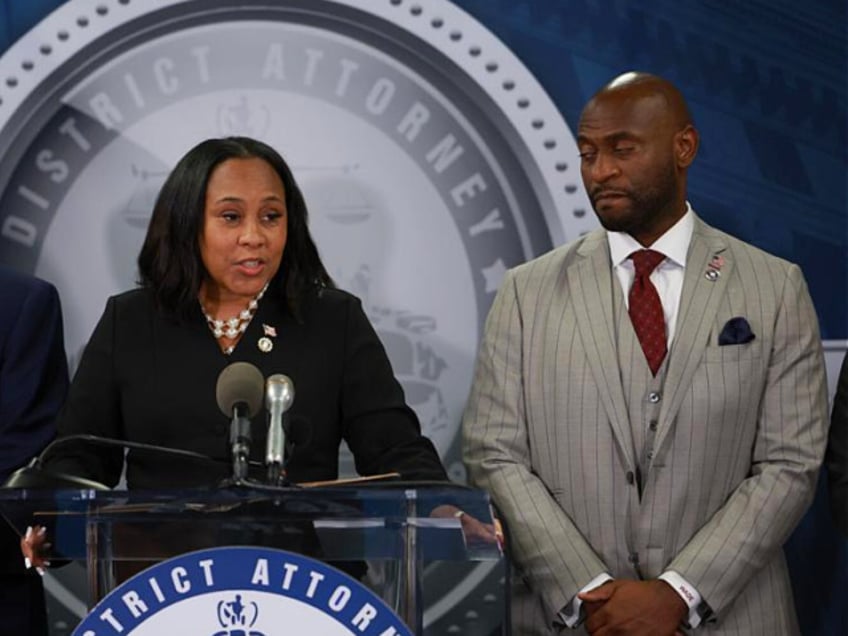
(388, 530)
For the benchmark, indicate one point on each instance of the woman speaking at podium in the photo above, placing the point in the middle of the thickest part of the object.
(229, 272)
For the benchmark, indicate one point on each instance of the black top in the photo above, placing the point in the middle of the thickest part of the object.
(145, 377)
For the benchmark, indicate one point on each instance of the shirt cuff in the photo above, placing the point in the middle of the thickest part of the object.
(570, 615)
(698, 609)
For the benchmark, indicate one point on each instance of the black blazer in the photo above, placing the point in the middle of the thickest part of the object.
(146, 377)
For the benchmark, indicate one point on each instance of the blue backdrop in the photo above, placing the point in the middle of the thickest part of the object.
(766, 80)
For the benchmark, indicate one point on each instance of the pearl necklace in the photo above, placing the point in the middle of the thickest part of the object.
(237, 325)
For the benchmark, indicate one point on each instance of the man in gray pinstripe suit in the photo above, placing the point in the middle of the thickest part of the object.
(649, 498)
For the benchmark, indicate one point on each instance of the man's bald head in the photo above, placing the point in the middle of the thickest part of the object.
(637, 142)
(636, 85)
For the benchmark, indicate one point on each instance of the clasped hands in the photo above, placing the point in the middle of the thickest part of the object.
(633, 608)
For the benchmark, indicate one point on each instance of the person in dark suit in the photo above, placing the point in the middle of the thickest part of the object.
(33, 384)
(229, 272)
(836, 458)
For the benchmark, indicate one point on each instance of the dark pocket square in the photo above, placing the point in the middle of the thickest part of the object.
(736, 331)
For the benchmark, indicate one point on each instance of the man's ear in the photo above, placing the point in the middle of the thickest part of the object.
(686, 146)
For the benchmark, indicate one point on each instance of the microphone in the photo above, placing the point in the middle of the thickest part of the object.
(239, 395)
(279, 396)
(37, 475)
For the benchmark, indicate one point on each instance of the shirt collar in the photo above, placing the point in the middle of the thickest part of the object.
(674, 243)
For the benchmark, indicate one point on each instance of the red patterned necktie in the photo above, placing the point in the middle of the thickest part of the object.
(646, 310)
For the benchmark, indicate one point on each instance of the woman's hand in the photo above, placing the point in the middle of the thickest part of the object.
(475, 531)
(35, 547)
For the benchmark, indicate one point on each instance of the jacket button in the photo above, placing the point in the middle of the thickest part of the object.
(630, 477)
(654, 397)
(652, 425)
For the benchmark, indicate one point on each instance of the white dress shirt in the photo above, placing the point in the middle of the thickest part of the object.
(668, 275)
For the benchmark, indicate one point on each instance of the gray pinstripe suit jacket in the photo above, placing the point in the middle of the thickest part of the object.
(738, 446)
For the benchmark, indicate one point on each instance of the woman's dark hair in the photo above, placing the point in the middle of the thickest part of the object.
(169, 262)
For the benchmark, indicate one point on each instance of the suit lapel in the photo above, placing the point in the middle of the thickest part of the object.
(699, 302)
(590, 279)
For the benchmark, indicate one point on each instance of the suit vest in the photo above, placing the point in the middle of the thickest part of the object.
(643, 395)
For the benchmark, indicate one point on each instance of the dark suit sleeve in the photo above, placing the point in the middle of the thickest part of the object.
(837, 452)
(382, 431)
(93, 407)
(33, 376)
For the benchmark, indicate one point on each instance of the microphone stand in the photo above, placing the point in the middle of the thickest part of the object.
(240, 444)
(275, 457)
(275, 467)
(276, 475)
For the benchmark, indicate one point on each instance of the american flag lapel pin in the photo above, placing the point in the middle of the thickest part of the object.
(265, 343)
(714, 268)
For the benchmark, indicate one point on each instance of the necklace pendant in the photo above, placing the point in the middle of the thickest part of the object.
(233, 327)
